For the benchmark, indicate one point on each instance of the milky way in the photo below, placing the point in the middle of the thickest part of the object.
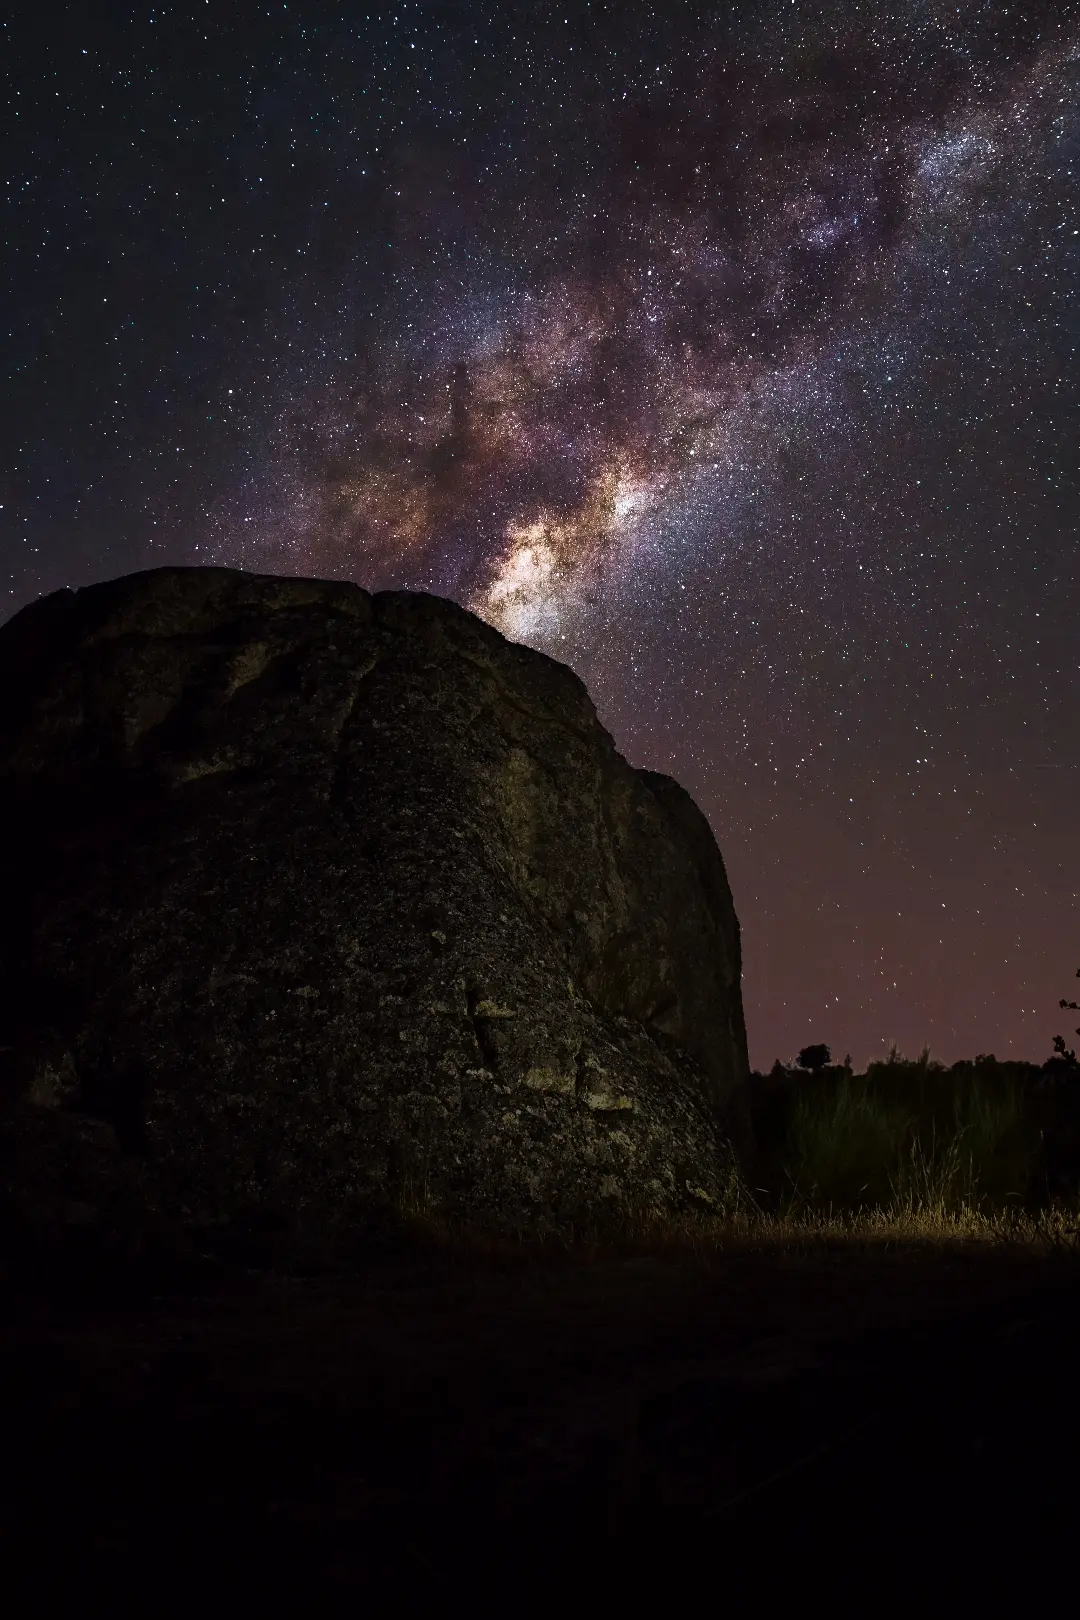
(751, 212)
(729, 358)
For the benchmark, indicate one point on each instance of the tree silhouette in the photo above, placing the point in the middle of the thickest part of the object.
(814, 1058)
(1059, 1040)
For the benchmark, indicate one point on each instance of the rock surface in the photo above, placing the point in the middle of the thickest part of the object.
(320, 904)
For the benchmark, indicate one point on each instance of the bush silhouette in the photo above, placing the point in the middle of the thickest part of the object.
(1060, 1048)
(814, 1058)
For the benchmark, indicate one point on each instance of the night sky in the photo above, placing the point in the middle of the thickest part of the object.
(730, 356)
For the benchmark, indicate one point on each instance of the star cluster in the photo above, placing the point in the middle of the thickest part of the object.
(729, 358)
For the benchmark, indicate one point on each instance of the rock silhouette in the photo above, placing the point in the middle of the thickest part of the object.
(323, 906)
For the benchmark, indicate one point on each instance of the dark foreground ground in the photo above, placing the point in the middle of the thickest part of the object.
(874, 1428)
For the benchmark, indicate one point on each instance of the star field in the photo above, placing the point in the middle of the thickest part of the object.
(730, 357)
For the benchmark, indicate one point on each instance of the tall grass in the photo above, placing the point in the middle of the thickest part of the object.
(906, 1138)
(844, 1145)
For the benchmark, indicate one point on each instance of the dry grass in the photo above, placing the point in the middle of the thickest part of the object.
(901, 1224)
(905, 1224)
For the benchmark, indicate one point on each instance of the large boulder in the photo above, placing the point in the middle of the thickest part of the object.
(319, 904)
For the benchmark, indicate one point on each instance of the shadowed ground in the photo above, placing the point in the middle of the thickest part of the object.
(821, 1420)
